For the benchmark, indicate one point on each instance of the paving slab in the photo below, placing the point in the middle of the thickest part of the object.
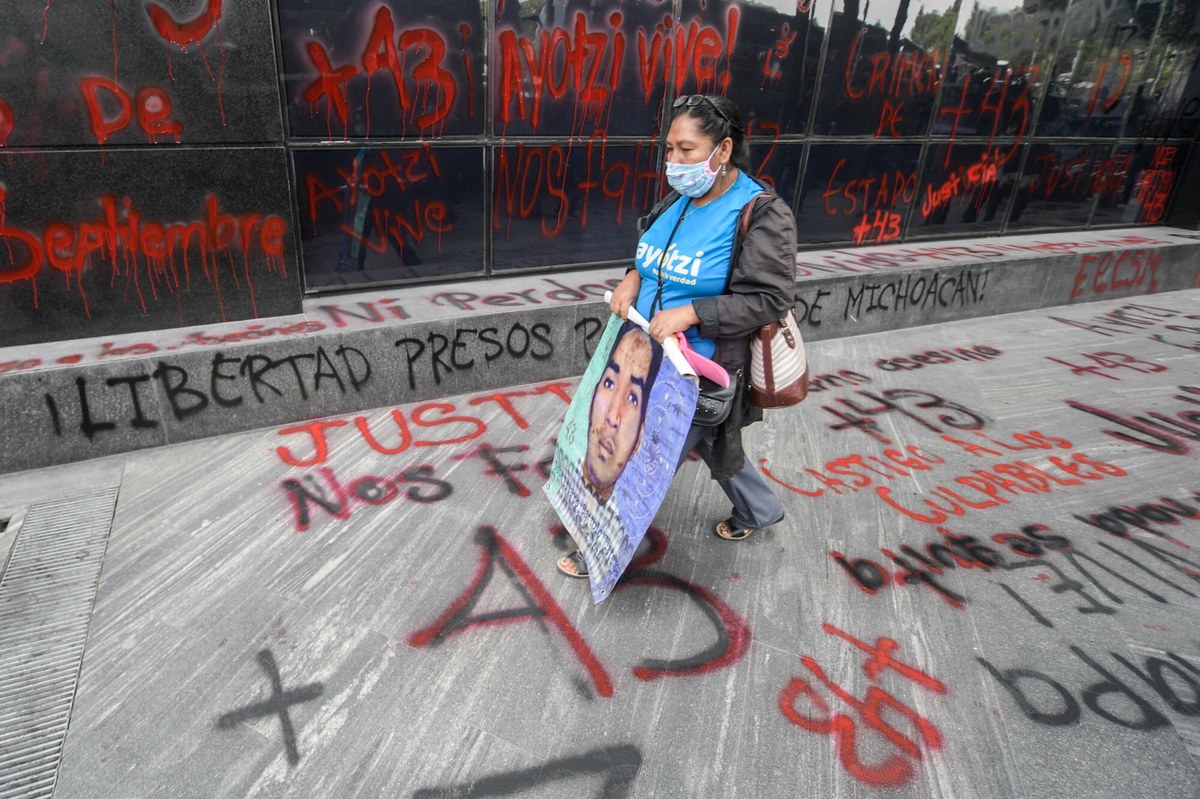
(986, 586)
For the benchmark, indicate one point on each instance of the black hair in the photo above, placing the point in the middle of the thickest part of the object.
(716, 118)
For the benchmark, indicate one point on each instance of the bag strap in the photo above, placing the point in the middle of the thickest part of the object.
(644, 222)
(657, 303)
(743, 230)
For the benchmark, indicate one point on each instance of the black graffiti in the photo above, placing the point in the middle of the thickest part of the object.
(1065, 709)
(917, 291)
(810, 311)
(277, 705)
(506, 471)
(933, 357)
(590, 328)
(1147, 516)
(229, 383)
(840, 379)
(1131, 316)
(325, 491)
(1155, 430)
(907, 402)
(462, 350)
(619, 766)
(927, 566)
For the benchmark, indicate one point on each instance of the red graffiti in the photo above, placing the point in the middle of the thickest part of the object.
(19, 366)
(153, 106)
(858, 473)
(883, 228)
(1153, 190)
(1103, 362)
(999, 484)
(542, 608)
(185, 33)
(773, 60)
(374, 175)
(123, 237)
(1102, 273)
(853, 262)
(978, 179)
(690, 51)
(894, 770)
(994, 104)
(533, 174)
(1082, 177)
(1111, 97)
(581, 68)
(415, 60)
(456, 426)
(7, 122)
(908, 74)
(864, 194)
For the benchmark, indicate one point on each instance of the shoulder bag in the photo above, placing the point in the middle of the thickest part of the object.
(778, 362)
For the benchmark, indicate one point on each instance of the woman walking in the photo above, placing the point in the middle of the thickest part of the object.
(694, 274)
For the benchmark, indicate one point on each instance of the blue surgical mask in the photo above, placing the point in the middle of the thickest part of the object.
(692, 180)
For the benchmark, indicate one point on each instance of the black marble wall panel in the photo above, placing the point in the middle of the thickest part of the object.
(113, 74)
(395, 69)
(375, 214)
(570, 204)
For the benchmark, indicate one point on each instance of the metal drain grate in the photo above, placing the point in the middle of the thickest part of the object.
(46, 598)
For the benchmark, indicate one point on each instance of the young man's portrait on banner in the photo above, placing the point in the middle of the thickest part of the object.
(618, 448)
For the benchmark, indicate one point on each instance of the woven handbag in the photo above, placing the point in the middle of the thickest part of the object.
(778, 365)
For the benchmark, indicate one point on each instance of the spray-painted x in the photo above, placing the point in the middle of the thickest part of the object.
(278, 703)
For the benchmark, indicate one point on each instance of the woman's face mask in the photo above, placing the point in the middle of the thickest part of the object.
(692, 180)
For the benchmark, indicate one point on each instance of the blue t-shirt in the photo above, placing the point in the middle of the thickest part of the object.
(697, 262)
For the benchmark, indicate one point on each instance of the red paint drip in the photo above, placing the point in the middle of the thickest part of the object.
(731, 34)
(45, 21)
(465, 32)
(185, 33)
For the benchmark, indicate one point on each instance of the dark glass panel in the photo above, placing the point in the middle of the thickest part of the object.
(882, 70)
(965, 189)
(773, 69)
(1098, 72)
(997, 70)
(382, 214)
(392, 69)
(112, 74)
(570, 204)
(1167, 102)
(857, 193)
(581, 68)
(1061, 181)
(1146, 187)
(776, 166)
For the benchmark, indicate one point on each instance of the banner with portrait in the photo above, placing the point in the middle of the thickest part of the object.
(618, 448)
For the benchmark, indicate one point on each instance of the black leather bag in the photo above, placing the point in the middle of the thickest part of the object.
(714, 402)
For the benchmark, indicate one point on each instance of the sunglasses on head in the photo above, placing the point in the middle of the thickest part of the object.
(693, 100)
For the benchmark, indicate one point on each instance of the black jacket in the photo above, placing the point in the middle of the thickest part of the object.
(761, 289)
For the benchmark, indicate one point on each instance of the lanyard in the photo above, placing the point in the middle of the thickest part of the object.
(658, 294)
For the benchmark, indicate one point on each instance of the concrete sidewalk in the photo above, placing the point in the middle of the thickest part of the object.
(986, 586)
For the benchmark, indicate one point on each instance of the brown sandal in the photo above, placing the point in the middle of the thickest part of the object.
(573, 565)
(727, 531)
